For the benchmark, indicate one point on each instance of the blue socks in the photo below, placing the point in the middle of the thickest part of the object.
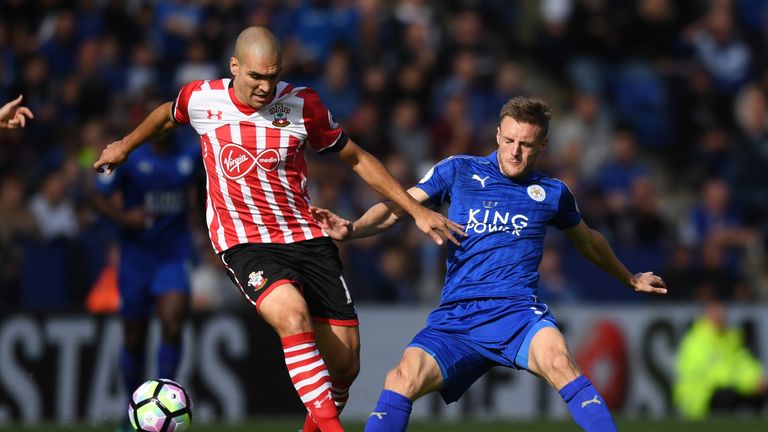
(168, 357)
(587, 406)
(391, 413)
(132, 369)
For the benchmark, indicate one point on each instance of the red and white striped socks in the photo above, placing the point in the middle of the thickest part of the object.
(340, 397)
(311, 380)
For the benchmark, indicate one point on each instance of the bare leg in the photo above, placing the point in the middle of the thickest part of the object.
(416, 375)
(549, 358)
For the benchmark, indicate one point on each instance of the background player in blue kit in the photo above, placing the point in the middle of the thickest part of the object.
(489, 314)
(149, 198)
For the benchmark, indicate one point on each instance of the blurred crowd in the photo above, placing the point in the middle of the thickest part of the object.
(660, 128)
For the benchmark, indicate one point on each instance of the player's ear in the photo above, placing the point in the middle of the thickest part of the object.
(498, 135)
(234, 67)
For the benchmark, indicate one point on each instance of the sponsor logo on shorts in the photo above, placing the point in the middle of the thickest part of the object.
(256, 280)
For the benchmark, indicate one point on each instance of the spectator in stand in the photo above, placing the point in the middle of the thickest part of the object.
(750, 160)
(17, 228)
(721, 50)
(53, 210)
(715, 220)
(617, 174)
(583, 137)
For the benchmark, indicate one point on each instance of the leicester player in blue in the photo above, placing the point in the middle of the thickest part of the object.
(489, 314)
(149, 198)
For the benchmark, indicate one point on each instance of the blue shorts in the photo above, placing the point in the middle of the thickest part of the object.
(142, 279)
(467, 338)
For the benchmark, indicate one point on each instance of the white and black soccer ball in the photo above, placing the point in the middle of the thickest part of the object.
(160, 405)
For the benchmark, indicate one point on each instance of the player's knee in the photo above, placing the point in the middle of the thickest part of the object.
(292, 322)
(343, 365)
(400, 381)
(561, 363)
(347, 372)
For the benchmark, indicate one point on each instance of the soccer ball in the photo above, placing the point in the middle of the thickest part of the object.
(160, 405)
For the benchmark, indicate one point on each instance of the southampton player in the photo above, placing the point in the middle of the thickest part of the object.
(150, 200)
(489, 313)
(254, 129)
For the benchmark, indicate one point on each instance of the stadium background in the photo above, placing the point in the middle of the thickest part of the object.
(660, 129)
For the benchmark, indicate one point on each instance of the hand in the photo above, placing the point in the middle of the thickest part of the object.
(648, 282)
(13, 116)
(439, 227)
(336, 227)
(112, 156)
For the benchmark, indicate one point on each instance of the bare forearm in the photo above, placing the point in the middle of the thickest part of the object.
(156, 124)
(377, 219)
(374, 173)
(599, 252)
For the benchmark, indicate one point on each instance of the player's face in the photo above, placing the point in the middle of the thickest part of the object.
(519, 146)
(255, 77)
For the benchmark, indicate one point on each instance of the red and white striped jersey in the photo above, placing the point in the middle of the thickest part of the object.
(254, 160)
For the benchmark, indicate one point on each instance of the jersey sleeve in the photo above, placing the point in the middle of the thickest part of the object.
(181, 104)
(438, 180)
(323, 132)
(568, 214)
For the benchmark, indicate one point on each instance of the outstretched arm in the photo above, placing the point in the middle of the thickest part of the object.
(157, 123)
(377, 219)
(13, 116)
(369, 168)
(595, 248)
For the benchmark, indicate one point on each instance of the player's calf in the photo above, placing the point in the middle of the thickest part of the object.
(587, 406)
(311, 380)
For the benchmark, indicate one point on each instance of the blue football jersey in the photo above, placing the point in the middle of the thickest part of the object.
(506, 221)
(160, 183)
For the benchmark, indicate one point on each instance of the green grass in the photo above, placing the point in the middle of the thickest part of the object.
(291, 425)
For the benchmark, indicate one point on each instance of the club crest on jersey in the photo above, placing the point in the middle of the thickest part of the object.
(256, 280)
(536, 193)
(280, 115)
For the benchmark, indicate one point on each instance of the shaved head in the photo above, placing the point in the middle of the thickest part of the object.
(258, 41)
(255, 66)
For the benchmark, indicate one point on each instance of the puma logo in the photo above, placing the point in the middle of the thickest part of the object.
(481, 180)
(593, 400)
(379, 415)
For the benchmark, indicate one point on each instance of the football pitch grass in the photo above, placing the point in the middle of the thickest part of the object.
(292, 424)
